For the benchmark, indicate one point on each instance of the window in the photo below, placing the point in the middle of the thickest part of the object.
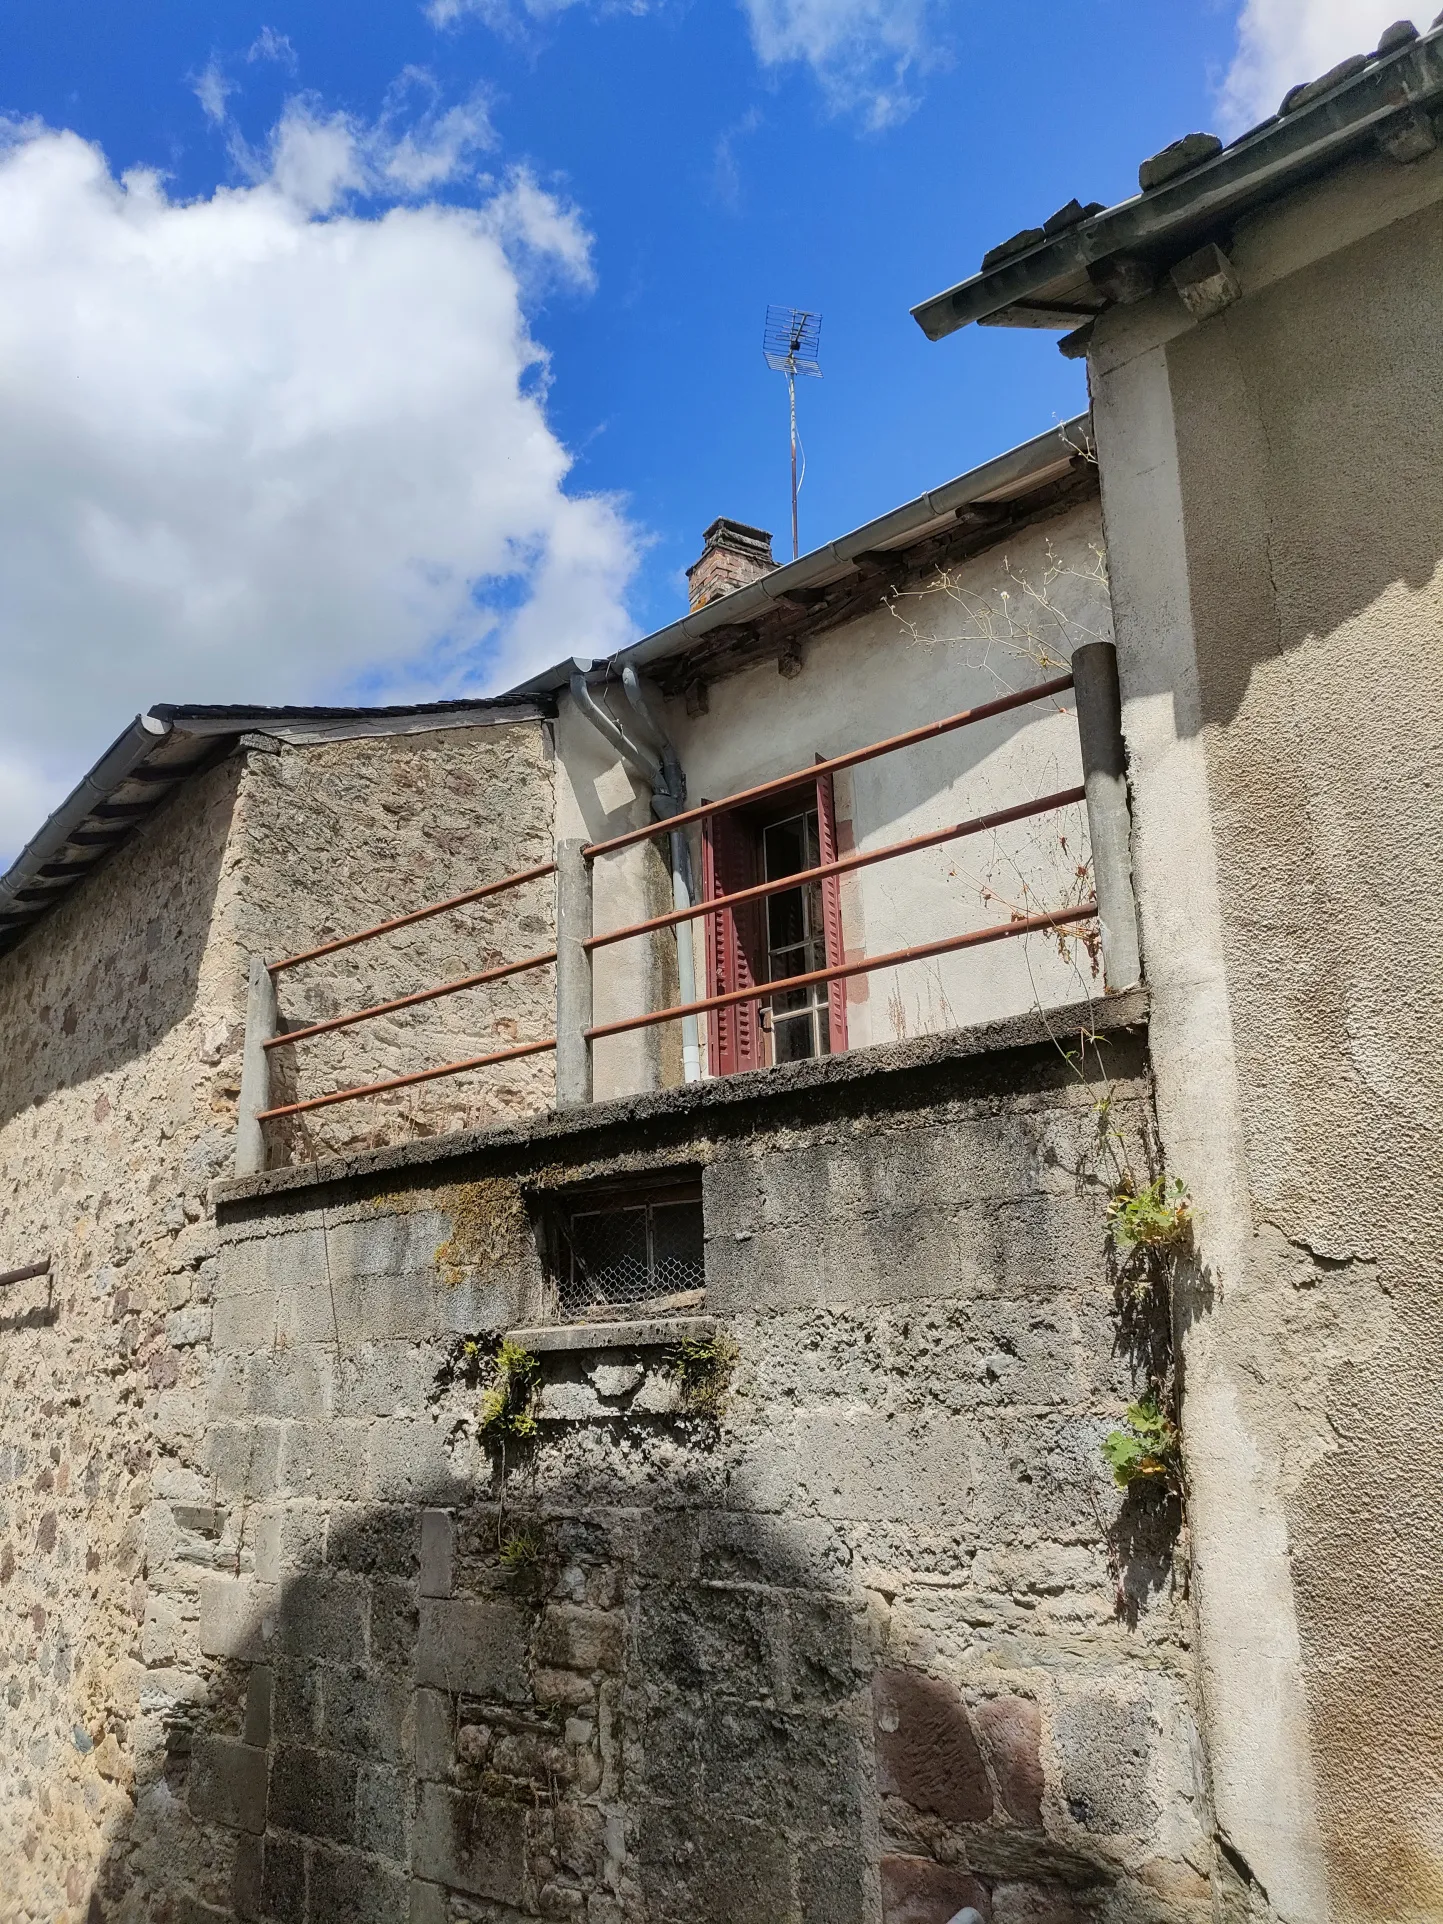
(640, 1250)
(795, 932)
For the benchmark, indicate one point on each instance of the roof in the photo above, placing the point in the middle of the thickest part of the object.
(143, 766)
(817, 586)
(1067, 271)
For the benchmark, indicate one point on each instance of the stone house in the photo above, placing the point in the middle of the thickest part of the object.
(773, 1569)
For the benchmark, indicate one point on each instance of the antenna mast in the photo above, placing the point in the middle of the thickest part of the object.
(792, 343)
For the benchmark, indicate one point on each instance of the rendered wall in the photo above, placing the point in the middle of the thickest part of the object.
(1002, 620)
(873, 1644)
(1308, 437)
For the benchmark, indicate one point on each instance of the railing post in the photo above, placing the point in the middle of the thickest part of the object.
(573, 975)
(262, 1022)
(1109, 823)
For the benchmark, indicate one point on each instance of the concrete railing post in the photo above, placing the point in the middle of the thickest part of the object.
(1109, 821)
(573, 976)
(262, 1022)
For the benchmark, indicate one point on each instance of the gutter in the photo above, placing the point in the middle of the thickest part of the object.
(1005, 472)
(1262, 164)
(125, 755)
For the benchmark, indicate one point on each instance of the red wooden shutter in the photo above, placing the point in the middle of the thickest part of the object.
(832, 914)
(733, 946)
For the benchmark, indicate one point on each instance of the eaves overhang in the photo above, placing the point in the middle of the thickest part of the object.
(146, 764)
(1005, 479)
(1055, 283)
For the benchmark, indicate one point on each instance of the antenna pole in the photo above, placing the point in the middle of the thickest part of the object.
(792, 399)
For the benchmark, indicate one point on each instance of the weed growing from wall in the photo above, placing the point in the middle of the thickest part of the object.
(703, 1369)
(508, 1406)
(1147, 1452)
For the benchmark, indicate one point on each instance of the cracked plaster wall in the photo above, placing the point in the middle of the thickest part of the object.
(1309, 425)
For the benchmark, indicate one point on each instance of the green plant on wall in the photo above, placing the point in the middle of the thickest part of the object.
(508, 1406)
(703, 1368)
(521, 1551)
(1152, 1217)
(1147, 1451)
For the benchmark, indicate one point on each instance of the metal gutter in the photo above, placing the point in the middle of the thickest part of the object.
(1281, 153)
(994, 480)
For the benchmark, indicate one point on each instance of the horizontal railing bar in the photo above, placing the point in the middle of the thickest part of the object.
(401, 1082)
(929, 730)
(844, 865)
(761, 991)
(498, 974)
(417, 915)
(24, 1273)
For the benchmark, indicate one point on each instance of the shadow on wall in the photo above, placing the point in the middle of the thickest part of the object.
(109, 973)
(563, 1705)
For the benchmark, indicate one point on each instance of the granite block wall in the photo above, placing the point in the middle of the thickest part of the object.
(868, 1640)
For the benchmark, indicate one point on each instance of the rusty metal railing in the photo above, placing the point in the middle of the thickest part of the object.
(1103, 790)
(264, 1033)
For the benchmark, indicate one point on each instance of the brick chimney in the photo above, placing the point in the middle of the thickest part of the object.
(732, 555)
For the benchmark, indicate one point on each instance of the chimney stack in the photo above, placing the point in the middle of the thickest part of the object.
(732, 555)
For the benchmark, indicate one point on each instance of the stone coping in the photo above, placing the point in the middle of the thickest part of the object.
(752, 1088)
(651, 1332)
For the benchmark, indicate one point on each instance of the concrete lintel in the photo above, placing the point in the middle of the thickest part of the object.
(653, 1332)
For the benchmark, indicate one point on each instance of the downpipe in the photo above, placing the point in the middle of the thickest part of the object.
(654, 760)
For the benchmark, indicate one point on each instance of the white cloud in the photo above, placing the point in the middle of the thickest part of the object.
(267, 447)
(863, 52)
(1281, 42)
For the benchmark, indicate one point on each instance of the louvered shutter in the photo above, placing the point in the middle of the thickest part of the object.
(832, 914)
(733, 946)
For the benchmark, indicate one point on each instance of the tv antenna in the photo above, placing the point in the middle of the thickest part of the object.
(792, 342)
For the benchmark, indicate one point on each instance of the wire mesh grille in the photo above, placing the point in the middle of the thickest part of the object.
(631, 1253)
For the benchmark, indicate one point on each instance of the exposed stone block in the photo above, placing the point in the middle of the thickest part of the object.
(831, 1884)
(428, 1903)
(1104, 1746)
(473, 1844)
(916, 1890)
(381, 1812)
(259, 1687)
(1011, 1731)
(228, 1783)
(437, 1549)
(412, 1460)
(366, 1712)
(243, 1322)
(435, 1734)
(571, 1637)
(713, 1872)
(243, 1459)
(478, 1649)
(283, 1880)
(237, 1617)
(313, 1793)
(323, 1616)
(325, 1461)
(283, 1259)
(186, 1327)
(349, 1889)
(927, 1751)
(387, 1244)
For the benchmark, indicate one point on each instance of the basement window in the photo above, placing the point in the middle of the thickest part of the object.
(637, 1250)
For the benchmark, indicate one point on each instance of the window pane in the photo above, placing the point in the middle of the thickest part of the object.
(794, 1037)
(677, 1248)
(784, 847)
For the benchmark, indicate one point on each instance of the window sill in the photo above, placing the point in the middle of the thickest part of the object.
(651, 1332)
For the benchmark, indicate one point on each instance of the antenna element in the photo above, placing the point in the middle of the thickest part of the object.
(791, 344)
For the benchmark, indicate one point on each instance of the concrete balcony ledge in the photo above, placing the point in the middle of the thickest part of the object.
(565, 1131)
(651, 1332)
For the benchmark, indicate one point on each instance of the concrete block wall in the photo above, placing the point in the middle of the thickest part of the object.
(866, 1645)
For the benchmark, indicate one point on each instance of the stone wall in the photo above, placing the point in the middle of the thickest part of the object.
(121, 1017)
(339, 836)
(866, 1639)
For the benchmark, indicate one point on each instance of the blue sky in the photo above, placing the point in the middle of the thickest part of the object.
(431, 343)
